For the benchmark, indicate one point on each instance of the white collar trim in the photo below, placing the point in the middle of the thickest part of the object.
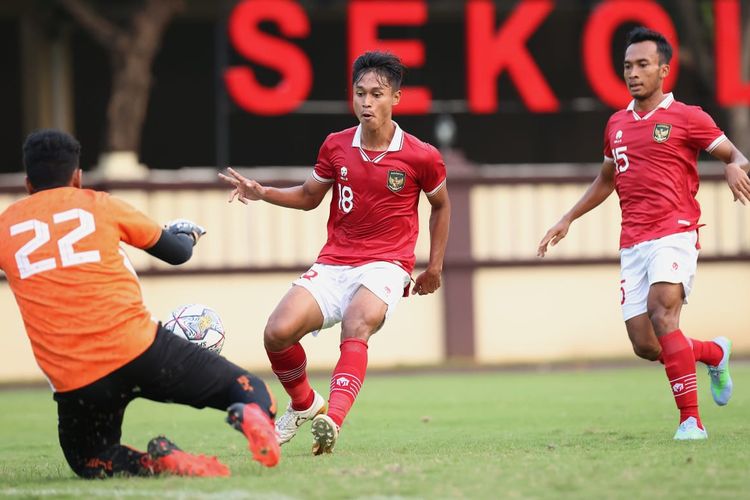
(664, 104)
(397, 142)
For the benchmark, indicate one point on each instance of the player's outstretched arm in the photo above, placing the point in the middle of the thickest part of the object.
(175, 245)
(598, 191)
(173, 249)
(303, 197)
(735, 170)
(440, 218)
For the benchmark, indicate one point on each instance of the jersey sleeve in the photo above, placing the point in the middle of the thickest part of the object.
(136, 228)
(324, 171)
(607, 145)
(702, 130)
(433, 175)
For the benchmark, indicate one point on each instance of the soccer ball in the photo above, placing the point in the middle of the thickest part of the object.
(199, 324)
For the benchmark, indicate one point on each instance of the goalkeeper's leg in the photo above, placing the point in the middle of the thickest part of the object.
(177, 371)
(162, 457)
(89, 426)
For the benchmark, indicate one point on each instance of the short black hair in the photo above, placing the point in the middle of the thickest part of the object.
(50, 158)
(641, 34)
(384, 64)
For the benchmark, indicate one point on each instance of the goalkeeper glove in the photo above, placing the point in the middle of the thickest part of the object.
(184, 226)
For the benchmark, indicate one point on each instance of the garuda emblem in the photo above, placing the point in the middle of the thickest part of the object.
(661, 132)
(396, 180)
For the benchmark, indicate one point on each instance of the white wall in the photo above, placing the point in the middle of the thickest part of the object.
(412, 336)
(567, 313)
(521, 314)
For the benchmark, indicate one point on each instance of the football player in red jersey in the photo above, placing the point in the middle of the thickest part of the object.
(650, 158)
(377, 172)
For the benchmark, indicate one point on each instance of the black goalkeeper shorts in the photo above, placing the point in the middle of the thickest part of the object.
(171, 370)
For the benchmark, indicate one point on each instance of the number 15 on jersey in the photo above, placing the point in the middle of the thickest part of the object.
(621, 158)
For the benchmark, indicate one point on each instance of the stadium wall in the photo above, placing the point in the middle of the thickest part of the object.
(521, 315)
(499, 304)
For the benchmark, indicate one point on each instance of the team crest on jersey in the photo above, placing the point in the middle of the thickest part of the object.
(661, 132)
(396, 180)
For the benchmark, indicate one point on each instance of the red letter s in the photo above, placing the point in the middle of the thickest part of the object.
(261, 48)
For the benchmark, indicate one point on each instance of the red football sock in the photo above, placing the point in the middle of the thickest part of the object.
(680, 367)
(347, 378)
(289, 367)
(707, 352)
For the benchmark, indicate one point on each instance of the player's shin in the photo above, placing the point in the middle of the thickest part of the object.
(347, 378)
(679, 364)
(247, 388)
(289, 366)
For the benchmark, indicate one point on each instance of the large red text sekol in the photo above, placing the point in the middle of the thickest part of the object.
(491, 51)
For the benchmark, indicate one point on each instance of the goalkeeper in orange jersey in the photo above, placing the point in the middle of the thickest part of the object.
(91, 334)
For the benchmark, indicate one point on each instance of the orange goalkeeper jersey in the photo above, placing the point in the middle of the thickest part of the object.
(78, 294)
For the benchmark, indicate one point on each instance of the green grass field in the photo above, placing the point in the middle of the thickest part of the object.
(559, 434)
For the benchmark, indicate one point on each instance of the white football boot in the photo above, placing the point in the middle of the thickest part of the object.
(325, 433)
(689, 430)
(289, 423)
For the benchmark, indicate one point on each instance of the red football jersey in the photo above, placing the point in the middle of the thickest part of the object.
(373, 213)
(656, 167)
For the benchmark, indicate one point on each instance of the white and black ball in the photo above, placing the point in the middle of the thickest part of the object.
(199, 324)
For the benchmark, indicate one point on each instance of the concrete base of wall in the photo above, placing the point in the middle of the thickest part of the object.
(530, 314)
(540, 314)
(412, 336)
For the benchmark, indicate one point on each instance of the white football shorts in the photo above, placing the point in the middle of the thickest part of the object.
(333, 286)
(671, 259)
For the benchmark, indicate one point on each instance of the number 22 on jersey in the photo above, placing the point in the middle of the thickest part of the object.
(68, 255)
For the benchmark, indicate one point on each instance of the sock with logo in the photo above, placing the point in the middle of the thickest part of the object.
(289, 366)
(347, 378)
(679, 364)
(707, 352)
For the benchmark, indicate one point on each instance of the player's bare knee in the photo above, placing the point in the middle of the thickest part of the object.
(664, 320)
(278, 334)
(356, 334)
(648, 352)
(357, 329)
